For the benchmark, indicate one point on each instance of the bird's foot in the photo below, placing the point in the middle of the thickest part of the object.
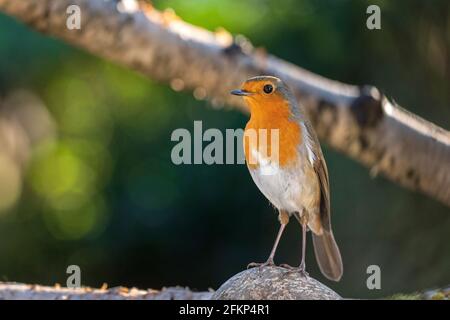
(303, 272)
(300, 269)
(268, 263)
(287, 266)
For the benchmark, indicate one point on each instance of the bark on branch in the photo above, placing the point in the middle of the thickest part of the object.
(19, 291)
(357, 121)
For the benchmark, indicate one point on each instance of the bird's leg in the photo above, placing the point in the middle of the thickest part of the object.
(303, 220)
(270, 261)
(302, 264)
(283, 216)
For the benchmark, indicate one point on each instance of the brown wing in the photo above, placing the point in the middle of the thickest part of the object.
(320, 167)
(322, 172)
(325, 248)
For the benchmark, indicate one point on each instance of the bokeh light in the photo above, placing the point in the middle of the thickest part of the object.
(11, 183)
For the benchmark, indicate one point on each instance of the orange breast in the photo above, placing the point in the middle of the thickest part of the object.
(273, 116)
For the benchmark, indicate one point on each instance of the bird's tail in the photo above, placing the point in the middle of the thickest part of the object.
(327, 255)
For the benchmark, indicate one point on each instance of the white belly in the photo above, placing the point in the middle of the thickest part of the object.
(283, 188)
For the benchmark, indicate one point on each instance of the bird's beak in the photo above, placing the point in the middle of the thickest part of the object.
(241, 93)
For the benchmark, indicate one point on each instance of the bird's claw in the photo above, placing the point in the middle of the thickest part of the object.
(303, 273)
(268, 263)
(287, 266)
(300, 269)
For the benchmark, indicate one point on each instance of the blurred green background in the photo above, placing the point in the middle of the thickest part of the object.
(86, 176)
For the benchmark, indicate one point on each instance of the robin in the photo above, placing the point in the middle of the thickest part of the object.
(297, 182)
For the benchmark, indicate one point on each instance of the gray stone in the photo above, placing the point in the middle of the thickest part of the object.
(273, 283)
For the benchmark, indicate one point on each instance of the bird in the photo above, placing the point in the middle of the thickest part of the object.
(295, 181)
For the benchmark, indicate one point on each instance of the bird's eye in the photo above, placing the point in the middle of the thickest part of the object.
(268, 88)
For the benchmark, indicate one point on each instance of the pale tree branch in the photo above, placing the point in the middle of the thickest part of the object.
(20, 291)
(357, 121)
